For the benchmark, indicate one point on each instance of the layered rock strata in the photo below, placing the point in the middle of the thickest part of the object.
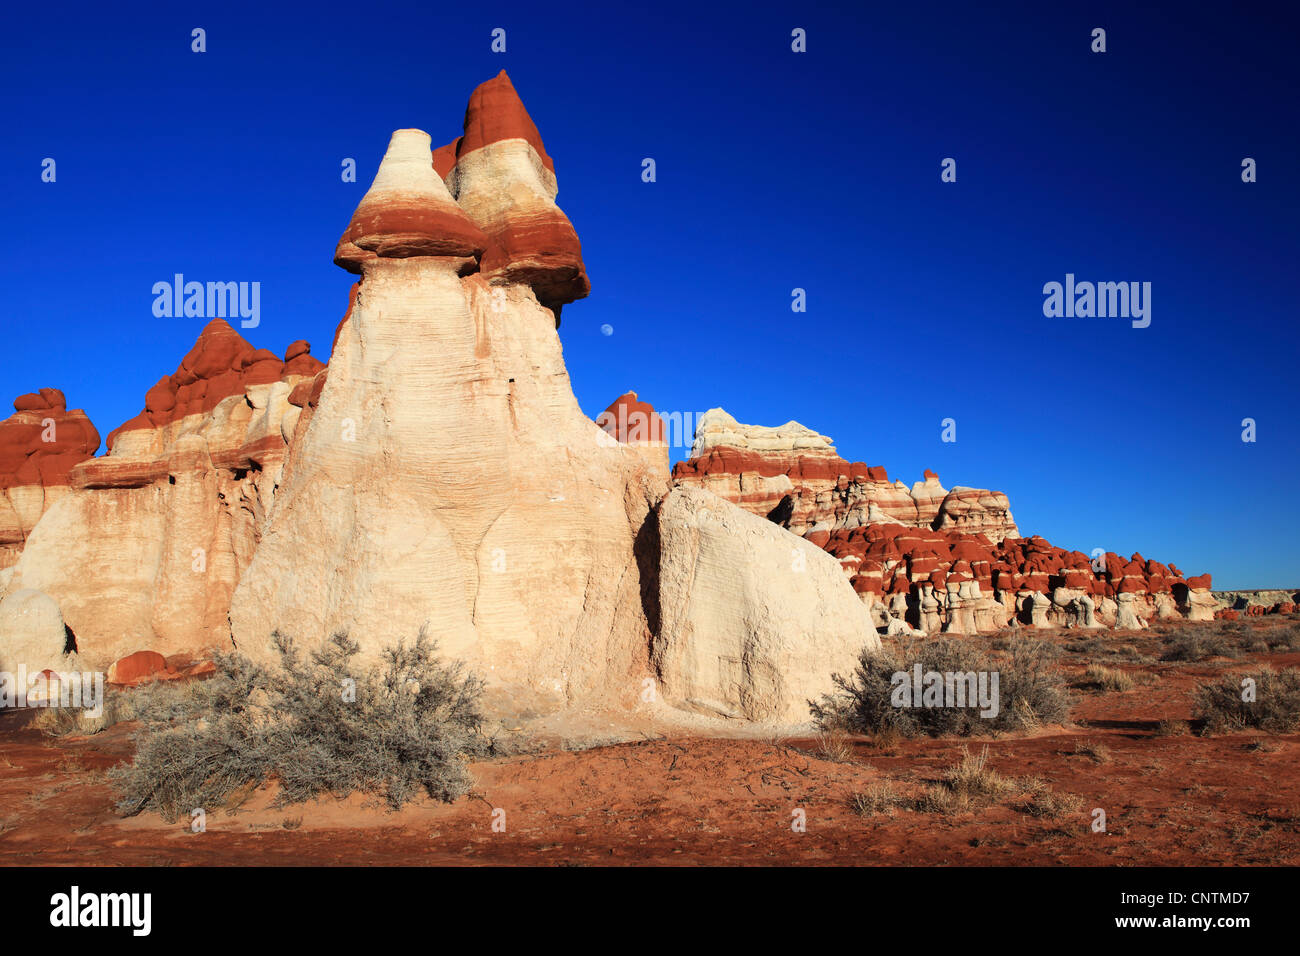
(443, 477)
(147, 545)
(500, 175)
(39, 445)
(928, 559)
(794, 476)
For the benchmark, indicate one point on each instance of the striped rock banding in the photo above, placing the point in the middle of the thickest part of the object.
(146, 545)
(928, 558)
(502, 177)
(408, 212)
(40, 444)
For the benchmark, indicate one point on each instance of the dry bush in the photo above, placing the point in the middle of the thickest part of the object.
(1031, 690)
(1040, 800)
(832, 745)
(1097, 753)
(1107, 678)
(1198, 643)
(410, 728)
(1284, 638)
(878, 798)
(1276, 708)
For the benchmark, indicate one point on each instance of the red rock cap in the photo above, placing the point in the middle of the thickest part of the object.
(407, 211)
(220, 364)
(531, 240)
(632, 421)
(26, 458)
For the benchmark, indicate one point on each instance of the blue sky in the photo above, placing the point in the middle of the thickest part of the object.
(775, 170)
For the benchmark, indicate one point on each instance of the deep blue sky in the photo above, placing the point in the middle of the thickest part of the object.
(776, 170)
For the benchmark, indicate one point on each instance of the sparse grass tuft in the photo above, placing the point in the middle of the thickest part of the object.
(1097, 753)
(967, 785)
(1107, 678)
(1172, 728)
(833, 745)
(1040, 800)
(878, 798)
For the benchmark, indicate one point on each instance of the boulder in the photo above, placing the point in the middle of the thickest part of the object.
(32, 633)
(752, 621)
(137, 668)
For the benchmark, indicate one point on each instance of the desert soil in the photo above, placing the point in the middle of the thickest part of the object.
(1170, 797)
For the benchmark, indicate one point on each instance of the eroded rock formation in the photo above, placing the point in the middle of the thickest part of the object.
(794, 476)
(927, 558)
(145, 548)
(442, 475)
(751, 618)
(39, 445)
(501, 176)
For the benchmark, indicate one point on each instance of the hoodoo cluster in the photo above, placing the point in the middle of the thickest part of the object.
(929, 559)
(439, 475)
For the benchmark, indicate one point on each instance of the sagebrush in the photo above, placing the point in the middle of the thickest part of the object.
(1220, 706)
(318, 724)
(1031, 690)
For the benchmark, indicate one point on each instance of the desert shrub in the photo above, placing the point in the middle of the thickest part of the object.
(75, 721)
(1031, 690)
(1107, 678)
(1284, 638)
(1197, 644)
(408, 728)
(1275, 709)
(1033, 685)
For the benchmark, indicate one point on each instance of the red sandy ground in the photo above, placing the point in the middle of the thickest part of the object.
(1169, 800)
